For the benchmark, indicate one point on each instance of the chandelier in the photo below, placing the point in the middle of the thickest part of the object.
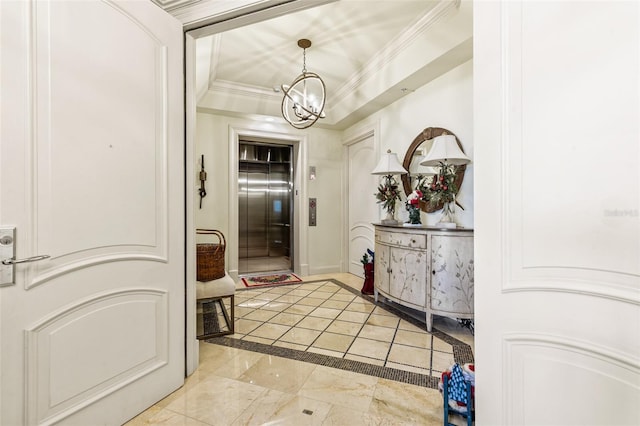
(303, 101)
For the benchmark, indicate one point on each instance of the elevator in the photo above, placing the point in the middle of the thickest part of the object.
(265, 208)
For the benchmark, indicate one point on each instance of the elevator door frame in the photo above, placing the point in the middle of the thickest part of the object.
(299, 253)
(282, 172)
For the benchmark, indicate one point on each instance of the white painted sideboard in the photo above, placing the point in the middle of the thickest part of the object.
(428, 269)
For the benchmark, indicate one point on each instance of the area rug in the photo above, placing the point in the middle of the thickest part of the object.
(271, 279)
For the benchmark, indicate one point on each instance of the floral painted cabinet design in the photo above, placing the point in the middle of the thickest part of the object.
(427, 269)
(451, 288)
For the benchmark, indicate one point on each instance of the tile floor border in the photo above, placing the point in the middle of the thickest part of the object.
(462, 352)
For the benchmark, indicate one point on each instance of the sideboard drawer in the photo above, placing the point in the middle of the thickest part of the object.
(402, 240)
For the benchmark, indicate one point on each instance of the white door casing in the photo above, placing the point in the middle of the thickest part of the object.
(300, 231)
(557, 164)
(91, 173)
(362, 211)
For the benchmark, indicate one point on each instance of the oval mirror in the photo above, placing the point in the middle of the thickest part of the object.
(415, 153)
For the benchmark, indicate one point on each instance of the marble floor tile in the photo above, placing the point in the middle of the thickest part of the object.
(315, 323)
(245, 326)
(358, 317)
(311, 301)
(373, 361)
(296, 346)
(357, 306)
(440, 361)
(286, 409)
(268, 296)
(285, 318)
(370, 348)
(344, 327)
(380, 311)
(404, 402)
(218, 400)
(300, 292)
(375, 332)
(333, 342)
(167, 417)
(441, 346)
(342, 416)
(410, 356)
(325, 313)
(299, 309)
(337, 387)
(335, 304)
(260, 315)
(270, 331)
(253, 303)
(277, 306)
(319, 294)
(405, 325)
(410, 368)
(289, 299)
(281, 374)
(383, 320)
(301, 336)
(342, 297)
(326, 352)
(241, 311)
(411, 338)
(238, 365)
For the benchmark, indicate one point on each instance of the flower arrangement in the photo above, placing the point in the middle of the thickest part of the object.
(442, 188)
(387, 194)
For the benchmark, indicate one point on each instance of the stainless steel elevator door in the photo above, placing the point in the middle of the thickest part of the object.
(265, 208)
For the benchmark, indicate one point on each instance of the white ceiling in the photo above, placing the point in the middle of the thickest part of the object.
(368, 52)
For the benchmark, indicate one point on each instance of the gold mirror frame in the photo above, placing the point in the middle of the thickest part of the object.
(426, 135)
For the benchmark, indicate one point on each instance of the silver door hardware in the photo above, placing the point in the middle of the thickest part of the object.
(8, 256)
(28, 259)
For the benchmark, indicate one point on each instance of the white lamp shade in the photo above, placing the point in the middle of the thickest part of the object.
(389, 165)
(445, 149)
(425, 170)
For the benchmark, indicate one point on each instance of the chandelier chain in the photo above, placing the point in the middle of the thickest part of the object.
(304, 61)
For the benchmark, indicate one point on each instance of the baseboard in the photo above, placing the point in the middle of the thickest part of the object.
(319, 270)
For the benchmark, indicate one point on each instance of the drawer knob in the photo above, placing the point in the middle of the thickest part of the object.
(413, 241)
(433, 272)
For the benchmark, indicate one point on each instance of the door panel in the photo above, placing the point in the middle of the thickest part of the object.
(557, 224)
(362, 205)
(91, 163)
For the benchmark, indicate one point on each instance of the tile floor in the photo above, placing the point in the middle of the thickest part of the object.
(262, 388)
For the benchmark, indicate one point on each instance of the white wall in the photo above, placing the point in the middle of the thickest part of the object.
(445, 102)
(324, 151)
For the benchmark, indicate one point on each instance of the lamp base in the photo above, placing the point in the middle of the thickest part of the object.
(446, 225)
(390, 222)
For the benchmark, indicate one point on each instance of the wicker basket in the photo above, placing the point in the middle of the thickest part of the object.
(210, 257)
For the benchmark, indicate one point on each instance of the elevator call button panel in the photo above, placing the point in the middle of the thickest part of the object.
(312, 211)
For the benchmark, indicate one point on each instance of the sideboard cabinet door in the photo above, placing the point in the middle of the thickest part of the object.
(409, 277)
(381, 269)
(452, 275)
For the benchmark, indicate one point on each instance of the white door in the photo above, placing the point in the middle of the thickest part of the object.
(91, 173)
(363, 210)
(557, 163)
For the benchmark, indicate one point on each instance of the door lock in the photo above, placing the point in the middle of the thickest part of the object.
(8, 256)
